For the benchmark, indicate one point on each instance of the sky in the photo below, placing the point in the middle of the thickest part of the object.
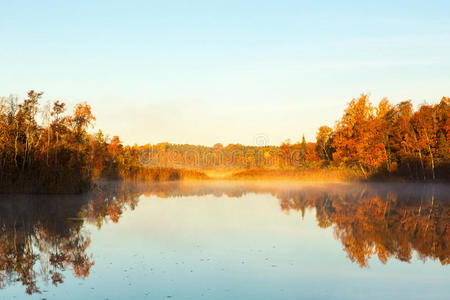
(201, 72)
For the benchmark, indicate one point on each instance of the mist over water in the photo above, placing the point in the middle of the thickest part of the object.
(222, 240)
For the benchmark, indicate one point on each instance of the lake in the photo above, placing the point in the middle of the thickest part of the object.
(228, 240)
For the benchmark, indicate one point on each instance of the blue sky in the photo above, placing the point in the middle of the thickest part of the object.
(223, 71)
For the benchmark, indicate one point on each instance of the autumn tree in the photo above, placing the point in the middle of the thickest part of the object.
(357, 142)
(324, 140)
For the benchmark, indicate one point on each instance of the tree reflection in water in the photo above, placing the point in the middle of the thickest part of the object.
(375, 220)
(41, 236)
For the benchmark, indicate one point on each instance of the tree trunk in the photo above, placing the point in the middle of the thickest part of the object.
(16, 149)
(431, 156)
(420, 157)
(362, 169)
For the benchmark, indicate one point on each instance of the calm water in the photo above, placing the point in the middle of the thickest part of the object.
(225, 240)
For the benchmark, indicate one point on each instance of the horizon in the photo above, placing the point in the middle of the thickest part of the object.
(210, 72)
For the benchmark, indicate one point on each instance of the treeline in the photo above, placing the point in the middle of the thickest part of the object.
(371, 141)
(232, 156)
(391, 139)
(47, 156)
(112, 160)
(45, 150)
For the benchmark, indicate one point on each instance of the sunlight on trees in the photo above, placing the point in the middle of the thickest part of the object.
(45, 150)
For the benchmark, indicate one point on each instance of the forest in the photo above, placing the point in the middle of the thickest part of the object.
(44, 149)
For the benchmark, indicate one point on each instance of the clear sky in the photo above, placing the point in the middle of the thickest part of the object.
(227, 71)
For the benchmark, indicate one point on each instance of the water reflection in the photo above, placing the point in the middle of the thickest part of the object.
(375, 220)
(41, 237)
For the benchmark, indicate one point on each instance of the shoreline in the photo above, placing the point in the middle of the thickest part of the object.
(300, 176)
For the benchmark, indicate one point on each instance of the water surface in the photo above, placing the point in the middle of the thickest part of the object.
(222, 240)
